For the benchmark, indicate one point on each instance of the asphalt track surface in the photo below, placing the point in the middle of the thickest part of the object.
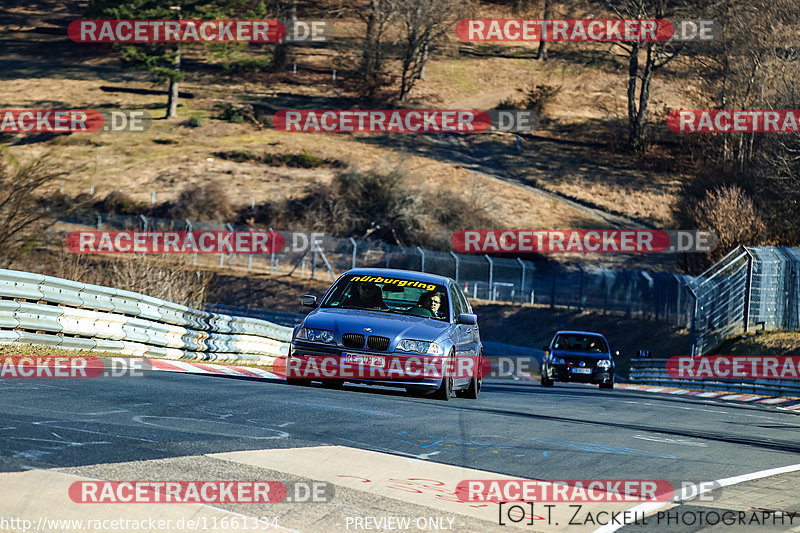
(516, 428)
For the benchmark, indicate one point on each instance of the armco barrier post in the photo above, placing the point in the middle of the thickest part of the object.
(491, 277)
(422, 258)
(355, 250)
(189, 225)
(388, 252)
(748, 288)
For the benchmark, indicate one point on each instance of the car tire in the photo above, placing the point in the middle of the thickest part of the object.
(607, 386)
(445, 390)
(473, 389)
(298, 382)
(544, 381)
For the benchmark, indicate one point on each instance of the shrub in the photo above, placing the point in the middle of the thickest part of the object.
(208, 202)
(730, 214)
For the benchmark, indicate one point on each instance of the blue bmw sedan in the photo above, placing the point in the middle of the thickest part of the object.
(390, 327)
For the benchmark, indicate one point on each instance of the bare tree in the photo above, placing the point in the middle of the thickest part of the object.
(376, 14)
(656, 55)
(23, 219)
(542, 54)
(424, 22)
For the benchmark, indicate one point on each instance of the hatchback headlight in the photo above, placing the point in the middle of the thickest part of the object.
(315, 335)
(409, 345)
(557, 361)
(604, 363)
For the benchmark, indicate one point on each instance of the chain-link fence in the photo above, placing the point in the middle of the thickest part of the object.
(748, 288)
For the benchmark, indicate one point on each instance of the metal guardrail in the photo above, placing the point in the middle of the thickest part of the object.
(37, 309)
(654, 372)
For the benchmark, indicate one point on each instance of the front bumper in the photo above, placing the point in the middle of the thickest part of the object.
(303, 358)
(564, 373)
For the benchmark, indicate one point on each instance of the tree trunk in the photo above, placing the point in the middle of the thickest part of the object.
(633, 72)
(542, 54)
(172, 100)
(370, 54)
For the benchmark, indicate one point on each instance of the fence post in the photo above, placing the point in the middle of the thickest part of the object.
(144, 219)
(99, 223)
(422, 258)
(457, 263)
(522, 281)
(748, 288)
(388, 252)
(693, 328)
(491, 277)
(272, 253)
(230, 255)
(189, 225)
(355, 249)
(580, 291)
(313, 258)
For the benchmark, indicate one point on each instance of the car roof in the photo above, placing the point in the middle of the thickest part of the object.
(568, 332)
(397, 273)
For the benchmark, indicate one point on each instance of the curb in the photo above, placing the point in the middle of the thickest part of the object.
(785, 403)
(184, 367)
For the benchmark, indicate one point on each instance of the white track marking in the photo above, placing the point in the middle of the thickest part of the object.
(651, 507)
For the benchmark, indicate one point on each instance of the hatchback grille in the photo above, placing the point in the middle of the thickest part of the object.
(375, 342)
(353, 340)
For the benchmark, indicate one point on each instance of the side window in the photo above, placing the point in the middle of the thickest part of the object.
(458, 305)
(463, 298)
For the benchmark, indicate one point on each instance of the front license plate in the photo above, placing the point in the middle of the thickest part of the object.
(376, 361)
(581, 370)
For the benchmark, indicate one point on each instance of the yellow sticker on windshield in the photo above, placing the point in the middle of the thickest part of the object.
(395, 281)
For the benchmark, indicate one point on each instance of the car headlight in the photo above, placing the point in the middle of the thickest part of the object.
(557, 361)
(315, 335)
(604, 363)
(409, 345)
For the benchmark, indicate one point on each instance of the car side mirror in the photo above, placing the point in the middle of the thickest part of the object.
(616, 354)
(468, 319)
(309, 300)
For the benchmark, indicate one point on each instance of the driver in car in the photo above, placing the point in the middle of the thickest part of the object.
(432, 301)
(367, 295)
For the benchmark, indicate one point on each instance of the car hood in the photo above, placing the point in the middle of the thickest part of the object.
(390, 325)
(581, 355)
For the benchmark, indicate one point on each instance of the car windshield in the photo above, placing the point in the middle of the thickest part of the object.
(572, 342)
(390, 294)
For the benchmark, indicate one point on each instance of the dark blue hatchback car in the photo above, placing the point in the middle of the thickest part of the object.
(378, 317)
